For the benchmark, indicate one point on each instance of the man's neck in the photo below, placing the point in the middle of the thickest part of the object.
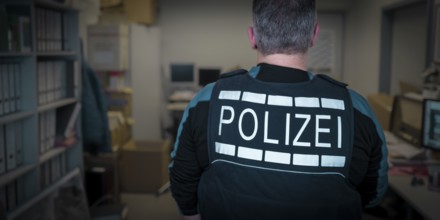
(297, 61)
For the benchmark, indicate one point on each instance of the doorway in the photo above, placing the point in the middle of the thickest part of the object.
(403, 46)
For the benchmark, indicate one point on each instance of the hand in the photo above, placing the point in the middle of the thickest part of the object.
(192, 217)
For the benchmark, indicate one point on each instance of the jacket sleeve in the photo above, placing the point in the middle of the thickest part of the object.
(375, 183)
(185, 169)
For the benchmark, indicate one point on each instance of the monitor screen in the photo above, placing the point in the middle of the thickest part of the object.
(208, 75)
(182, 72)
(431, 124)
(406, 119)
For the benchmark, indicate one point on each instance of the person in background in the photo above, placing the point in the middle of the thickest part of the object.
(278, 142)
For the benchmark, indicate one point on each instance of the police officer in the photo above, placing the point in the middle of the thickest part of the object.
(278, 142)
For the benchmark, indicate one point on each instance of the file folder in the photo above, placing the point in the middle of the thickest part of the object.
(10, 146)
(4, 79)
(1, 89)
(2, 151)
(11, 77)
(19, 144)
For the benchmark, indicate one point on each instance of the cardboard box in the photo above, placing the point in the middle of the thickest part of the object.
(382, 105)
(108, 47)
(113, 15)
(121, 101)
(144, 165)
(118, 129)
(110, 3)
(141, 11)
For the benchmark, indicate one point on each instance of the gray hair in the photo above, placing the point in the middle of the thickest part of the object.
(284, 26)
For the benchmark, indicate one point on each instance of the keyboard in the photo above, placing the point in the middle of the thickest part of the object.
(399, 148)
(405, 150)
(182, 95)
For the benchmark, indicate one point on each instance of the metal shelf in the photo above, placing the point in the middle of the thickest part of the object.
(15, 173)
(29, 189)
(57, 104)
(57, 54)
(53, 5)
(4, 119)
(52, 188)
(52, 153)
(15, 54)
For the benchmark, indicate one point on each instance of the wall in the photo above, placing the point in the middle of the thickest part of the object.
(145, 80)
(144, 64)
(213, 32)
(333, 5)
(408, 56)
(332, 33)
(219, 38)
(208, 33)
(362, 45)
(88, 14)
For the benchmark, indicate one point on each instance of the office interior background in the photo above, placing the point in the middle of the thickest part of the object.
(127, 49)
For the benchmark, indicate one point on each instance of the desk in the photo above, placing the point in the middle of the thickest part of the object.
(424, 201)
(420, 198)
(177, 106)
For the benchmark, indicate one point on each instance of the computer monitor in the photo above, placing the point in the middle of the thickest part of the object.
(182, 72)
(208, 75)
(406, 119)
(431, 124)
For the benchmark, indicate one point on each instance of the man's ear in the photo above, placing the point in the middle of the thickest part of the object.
(251, 37)
(315, 34)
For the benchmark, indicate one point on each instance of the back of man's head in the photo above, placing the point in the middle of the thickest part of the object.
(284, 26)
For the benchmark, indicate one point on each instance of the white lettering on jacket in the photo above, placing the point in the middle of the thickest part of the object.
(298, 140)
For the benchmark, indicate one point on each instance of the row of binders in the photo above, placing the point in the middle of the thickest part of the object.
(57, 127)
(47, 130)
(52, 81)
(53, 170)
(11, 146)
(10, 195)
(10, 87)
(50, 30)
(15, 32)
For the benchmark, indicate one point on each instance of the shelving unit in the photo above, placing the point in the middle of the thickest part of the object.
(43, 31)
(114, 73)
